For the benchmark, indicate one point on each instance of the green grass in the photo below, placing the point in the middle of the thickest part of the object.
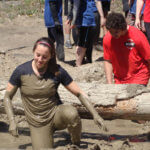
(12, 9)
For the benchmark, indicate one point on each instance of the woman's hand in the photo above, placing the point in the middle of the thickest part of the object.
(13, 129)
(100, 122)
(73, 88)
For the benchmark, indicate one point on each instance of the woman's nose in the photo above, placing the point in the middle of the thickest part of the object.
(40, 58)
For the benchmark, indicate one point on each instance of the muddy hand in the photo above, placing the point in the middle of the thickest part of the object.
(13, 129)
(100, 122)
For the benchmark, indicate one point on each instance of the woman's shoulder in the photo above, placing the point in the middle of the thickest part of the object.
(61, 69)
(26, 66)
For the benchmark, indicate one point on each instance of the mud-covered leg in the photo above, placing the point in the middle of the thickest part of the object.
(42, 137)
(68, 117)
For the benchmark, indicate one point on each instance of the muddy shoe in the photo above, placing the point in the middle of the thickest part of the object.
(72, 147)
(68, 44)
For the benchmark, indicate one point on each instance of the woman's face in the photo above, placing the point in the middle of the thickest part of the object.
(41, 56)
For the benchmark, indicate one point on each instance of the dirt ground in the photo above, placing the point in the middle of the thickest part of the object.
(16, 40)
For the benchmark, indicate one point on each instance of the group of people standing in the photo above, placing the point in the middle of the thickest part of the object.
(126, 60)
(84, 18)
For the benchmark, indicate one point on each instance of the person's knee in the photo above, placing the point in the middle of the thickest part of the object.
(71, 113)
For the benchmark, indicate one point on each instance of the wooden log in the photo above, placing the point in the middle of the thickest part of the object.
(129, 101)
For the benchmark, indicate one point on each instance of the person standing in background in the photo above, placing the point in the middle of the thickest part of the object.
(53, 22)
(126, 4)
(67, 27)
(106, 9)
(132, 15)
(146, 16)
(85, 23)
(100, 21)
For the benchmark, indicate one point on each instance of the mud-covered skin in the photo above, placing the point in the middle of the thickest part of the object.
(42, 105)
(9, 110)
(97, 119)
(66, 116)
(43, 109)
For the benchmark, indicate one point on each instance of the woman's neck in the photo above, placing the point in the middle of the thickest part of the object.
(38, 71)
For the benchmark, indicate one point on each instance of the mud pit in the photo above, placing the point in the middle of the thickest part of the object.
(17, 38)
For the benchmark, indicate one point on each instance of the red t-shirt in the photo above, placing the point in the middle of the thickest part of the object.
(128, 56)
(147, 11)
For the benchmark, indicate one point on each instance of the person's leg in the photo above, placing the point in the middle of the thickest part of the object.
(42, 137)
(65, 7)
(80, 53)
(67, 29)
(125, 7)
(96, 28)
(59, 38)
(75, 35)
(81, 44)
(50, 35)
(67, 35)
(67, 116)
(89, 45)
(147, 28)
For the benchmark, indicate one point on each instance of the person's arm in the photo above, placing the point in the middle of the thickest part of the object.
(54, 12)
(139, 6)
(73, 88)
(10, 91)
(101, 13)
(108, 71)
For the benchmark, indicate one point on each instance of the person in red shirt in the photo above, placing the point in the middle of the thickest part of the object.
(146, 16)
(126, 52)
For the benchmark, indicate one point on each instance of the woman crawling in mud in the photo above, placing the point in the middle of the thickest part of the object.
(38, 80)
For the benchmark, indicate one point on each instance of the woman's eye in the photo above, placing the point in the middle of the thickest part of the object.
(44, 57)
(38, 55)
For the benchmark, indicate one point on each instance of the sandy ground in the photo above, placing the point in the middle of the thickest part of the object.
(16, 41)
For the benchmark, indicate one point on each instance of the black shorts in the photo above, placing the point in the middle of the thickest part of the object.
(147, 27)
(65, 7)
(106, 6)
(85, 36)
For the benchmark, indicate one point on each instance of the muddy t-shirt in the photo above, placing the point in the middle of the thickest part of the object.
(39, 95)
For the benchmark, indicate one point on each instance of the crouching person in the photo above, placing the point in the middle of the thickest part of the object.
(38, 80)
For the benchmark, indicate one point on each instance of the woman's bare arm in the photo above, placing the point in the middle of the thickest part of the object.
(10, 91)
(74, 88)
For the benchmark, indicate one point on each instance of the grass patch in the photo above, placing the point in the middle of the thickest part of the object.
(11, 9)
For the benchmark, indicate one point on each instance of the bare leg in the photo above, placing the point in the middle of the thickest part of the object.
(42, 137)
(67, 31)
(80, 53)
(68, 117)
(67, 35)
